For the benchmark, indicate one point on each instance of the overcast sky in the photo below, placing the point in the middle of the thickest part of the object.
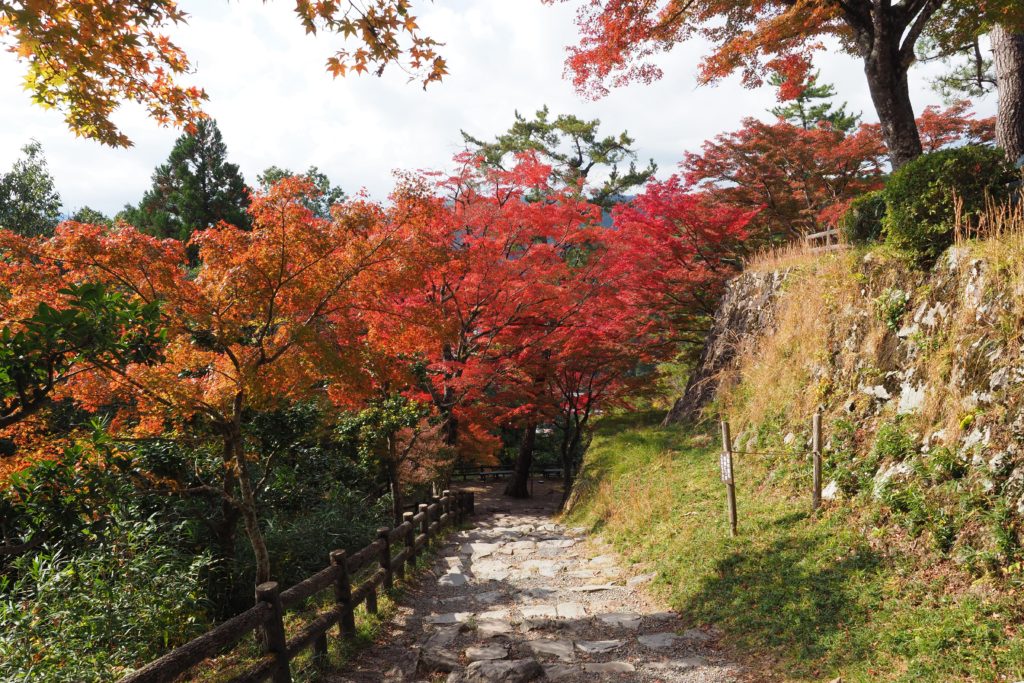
(275, 104)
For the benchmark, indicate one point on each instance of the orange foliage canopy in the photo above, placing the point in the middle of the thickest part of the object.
(270, 316)
(86, 56)
(268, 312)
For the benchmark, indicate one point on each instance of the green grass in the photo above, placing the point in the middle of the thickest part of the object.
(811, 598)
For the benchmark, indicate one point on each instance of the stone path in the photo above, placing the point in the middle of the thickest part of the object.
(520, 598)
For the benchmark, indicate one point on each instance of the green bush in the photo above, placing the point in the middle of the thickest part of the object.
(862, 222)
(921, 197)
(890, 307)
(893, 443)
(94, 614)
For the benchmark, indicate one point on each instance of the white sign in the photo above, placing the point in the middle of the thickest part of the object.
(725, 464)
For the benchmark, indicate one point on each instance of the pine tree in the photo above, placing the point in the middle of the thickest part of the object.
(29, 203)
(813, 106)
(195, 189)
(574, 150)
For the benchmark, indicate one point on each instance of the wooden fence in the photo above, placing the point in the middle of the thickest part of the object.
(826, 240)
(377, 561)
(485, 472)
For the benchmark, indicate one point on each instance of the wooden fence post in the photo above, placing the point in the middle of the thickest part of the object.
(343, 594)
(425, 523)
(446, 504)
(410, 539)
(371, 599)
(274, 641)
(385, 557)
(816, 455)
(725, 464)
(320, 651)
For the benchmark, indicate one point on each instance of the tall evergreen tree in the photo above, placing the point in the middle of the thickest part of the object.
(575, 151)
(29, 202)
(971, 73)
(813, 106)
(195, 189)
(1008, 63)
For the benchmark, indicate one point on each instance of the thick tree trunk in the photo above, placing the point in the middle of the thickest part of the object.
(890, 92)
(519, 485)
(1008, 59)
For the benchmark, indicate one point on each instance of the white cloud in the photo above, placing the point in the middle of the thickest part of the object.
(275, 103)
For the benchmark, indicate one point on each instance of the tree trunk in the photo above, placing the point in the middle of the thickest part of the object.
(570, 442)
(396, 492)
(225, 530)
(1008, 59)
(449, 428)
(890, 93)
(248, 510)
(519, 485)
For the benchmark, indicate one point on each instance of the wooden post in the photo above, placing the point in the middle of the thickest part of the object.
(385, 557)
(446, 504)
(320, 651)
(410, 539)
(816, 455)
(425, 523)
(274, 641)
(725, 464)
(371, 599)
(343, 594)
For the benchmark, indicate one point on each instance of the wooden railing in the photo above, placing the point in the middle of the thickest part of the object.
(377, 562)
(485, 472)
(826, 240)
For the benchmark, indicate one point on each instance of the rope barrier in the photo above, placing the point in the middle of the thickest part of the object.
(800, 452)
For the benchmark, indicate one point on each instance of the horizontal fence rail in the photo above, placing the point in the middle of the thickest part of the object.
(826, 240)
(377, 564)
(485, 472)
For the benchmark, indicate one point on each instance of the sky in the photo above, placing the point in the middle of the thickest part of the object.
(276, 105)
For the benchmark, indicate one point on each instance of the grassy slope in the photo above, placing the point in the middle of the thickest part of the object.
(811, 598)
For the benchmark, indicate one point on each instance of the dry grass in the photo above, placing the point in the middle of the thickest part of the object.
(1003, 222)
(808, 359)
(835, 334)
(791, 255)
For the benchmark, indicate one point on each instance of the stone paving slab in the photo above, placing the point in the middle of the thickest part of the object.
(520, 597)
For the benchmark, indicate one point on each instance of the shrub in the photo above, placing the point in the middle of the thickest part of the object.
(96, 613)
(890, 307)
(921, 197)
(893, 443)
(862, 222)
